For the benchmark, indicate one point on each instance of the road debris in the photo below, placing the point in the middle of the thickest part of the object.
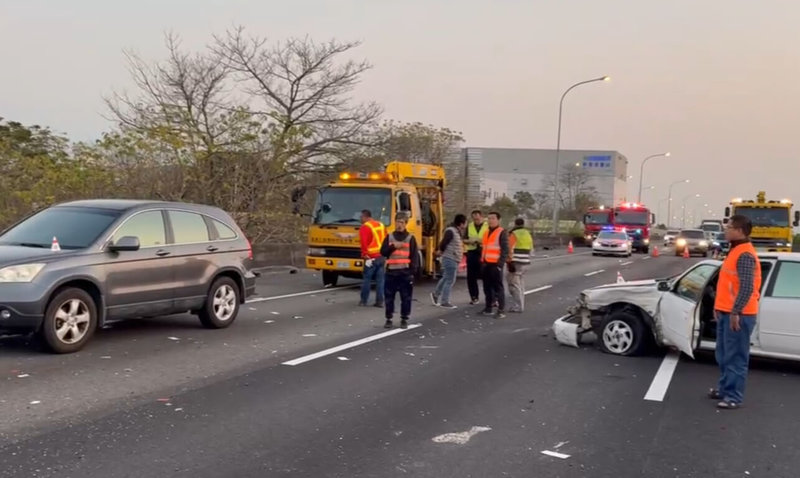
(269, 321)
(174, 339)
(23, 375)
(460, 438)
(275, 313)
(309, 335)
(343, 358)
(36, 402)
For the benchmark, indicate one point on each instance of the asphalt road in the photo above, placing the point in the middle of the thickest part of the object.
(461, 395)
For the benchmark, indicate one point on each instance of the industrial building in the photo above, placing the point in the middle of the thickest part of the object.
(508, 170)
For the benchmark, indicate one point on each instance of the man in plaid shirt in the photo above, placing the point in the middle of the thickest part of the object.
(735, 309)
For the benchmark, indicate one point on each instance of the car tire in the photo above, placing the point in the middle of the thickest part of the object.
(646, 250)
(330, 278)
(622, 333)
(70, 321)
(222, 304)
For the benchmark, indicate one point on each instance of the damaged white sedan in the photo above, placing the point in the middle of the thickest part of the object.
(629, 317)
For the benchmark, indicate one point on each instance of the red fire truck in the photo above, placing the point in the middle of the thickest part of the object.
(633, 218)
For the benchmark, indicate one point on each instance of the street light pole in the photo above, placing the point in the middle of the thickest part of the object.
(558, 148)
(683, 219)
(669, 204)
(641, 171)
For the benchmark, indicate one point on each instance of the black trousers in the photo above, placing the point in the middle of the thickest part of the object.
(493, 287)
(404, 284)
(473, 273)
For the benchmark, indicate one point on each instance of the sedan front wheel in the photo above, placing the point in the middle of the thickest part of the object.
(622, 333)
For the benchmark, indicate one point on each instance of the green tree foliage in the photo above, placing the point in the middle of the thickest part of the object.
(507, 208)
(525, 202)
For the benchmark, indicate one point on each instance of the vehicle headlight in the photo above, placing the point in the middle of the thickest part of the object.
(781, 244)
(703, 243)
(681, 242)
(596, 244)
(316, 251)
(20, 273)
(647, 241)
(715, 244)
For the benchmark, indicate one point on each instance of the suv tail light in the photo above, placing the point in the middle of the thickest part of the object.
(249, 250)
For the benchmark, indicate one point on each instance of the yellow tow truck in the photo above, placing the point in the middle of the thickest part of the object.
(413, 188)
(772, 221)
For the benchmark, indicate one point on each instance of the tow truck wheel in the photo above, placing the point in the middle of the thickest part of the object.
(330, 278)
(622, 333)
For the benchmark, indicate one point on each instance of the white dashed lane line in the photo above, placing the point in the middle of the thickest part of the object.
(590, 274)
(660, 385)
(538, 289)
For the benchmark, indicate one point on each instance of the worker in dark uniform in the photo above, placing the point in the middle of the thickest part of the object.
(402, 260)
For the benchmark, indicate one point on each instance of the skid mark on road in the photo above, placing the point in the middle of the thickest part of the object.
(590, 274)
(658, 388)
(349, 345)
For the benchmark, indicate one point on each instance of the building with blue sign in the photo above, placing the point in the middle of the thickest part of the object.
(532, 170)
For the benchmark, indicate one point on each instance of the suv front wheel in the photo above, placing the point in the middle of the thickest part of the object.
(222, 304)
(69, 321)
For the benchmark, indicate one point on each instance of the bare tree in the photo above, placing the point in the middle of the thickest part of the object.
(303, 92)
(573, 188)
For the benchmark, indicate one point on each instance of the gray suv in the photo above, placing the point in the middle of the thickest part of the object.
(70, 268)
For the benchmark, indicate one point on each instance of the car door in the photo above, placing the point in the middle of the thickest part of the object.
(778, 318)
(678, 308)
(194, 265)
(139, 283)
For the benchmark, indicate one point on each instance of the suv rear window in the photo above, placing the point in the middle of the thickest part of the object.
(73, 227)
(693, 234)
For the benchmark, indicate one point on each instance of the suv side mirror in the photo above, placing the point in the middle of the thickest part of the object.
(126, 243)
(664, 286)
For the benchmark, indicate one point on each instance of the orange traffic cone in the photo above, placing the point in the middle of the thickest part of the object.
(462, 267)
(55, 246)
(570, 249)
(655, 251)
(686, 252)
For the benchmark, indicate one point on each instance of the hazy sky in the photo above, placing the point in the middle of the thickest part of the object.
(716, 82)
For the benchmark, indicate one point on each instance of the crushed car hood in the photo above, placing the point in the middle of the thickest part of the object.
(643, 293)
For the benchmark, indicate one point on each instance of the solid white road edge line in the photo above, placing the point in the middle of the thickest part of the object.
(538, 289)
(555, 454)
(349, 345)
(658, 388)
(589, 274)
(298, 294)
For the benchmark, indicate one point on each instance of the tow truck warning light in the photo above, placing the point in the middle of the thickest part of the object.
(370, 176)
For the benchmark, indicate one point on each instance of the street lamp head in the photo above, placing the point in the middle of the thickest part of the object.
(667, 154)
(687, 181)
(606, 78)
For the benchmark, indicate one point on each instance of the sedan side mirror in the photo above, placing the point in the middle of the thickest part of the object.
(126, 243)
(664, 286)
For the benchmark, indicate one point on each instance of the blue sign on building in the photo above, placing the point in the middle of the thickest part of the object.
(597, 162)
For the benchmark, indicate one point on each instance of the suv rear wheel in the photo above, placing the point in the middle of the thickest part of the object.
(69, 321)
(222, 304)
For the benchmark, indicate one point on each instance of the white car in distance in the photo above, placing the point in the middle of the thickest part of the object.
(628, 317)
(612, 243)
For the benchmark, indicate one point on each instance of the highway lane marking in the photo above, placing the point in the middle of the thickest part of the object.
(645, 258)
(562, 256)
(627, 263)
(300, 294)
(538, 289)
(349, 345)
(555, 454)
(590, 274)
(658, 388)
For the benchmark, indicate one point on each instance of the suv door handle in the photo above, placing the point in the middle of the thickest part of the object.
(212, 248)
(162, 253)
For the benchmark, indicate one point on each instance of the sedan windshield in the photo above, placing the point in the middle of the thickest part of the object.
(693, 234)
(613, 235)
(73, 227)
(344, 205)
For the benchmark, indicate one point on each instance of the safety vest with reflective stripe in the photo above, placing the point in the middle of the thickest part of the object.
(378, 235)
(474, 233)
(401, 256)
(491, 246)
(521, 242)
(728, 282)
